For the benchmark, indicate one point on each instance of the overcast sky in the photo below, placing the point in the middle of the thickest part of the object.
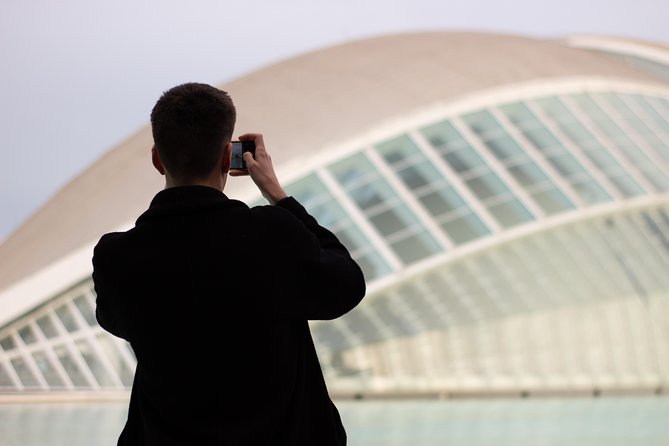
(79, 76)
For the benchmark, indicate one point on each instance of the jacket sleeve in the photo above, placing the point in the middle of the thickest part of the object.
(326, 280)
(106, 308)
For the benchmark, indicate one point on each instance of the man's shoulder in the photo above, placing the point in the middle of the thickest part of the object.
(108, 241)
(277, 216)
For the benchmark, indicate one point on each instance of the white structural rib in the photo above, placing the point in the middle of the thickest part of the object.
(574, 150)
(362, 223)
(495, 166)
(538, 159)
(455, 182)
(632, 133)
(408, 198)
(605, 141)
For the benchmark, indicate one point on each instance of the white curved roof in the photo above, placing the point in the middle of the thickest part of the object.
(303, 105)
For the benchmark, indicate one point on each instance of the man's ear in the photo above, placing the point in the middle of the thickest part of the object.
(155, 159)
(227, 154)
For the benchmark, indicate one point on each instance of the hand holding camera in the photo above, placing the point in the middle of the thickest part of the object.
(256, 162)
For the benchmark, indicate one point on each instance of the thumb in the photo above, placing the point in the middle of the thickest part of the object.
(248, 158)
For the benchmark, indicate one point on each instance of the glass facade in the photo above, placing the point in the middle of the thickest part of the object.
(583, 304)
(61, 347)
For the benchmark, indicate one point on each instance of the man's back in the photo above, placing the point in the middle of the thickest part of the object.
(214, 298)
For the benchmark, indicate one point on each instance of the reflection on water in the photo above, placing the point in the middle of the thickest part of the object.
(630, 421)
(642, 421)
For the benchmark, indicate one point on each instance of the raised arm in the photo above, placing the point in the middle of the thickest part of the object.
(326, 280)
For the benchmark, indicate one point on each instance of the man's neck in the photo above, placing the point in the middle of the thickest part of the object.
(214, 181)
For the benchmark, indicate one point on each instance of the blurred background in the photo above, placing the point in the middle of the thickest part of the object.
(500, 170)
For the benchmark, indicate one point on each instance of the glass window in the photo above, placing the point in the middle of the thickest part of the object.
(442, 201)
(591, 192)
(25, 374)
(554, 108)
(417, 176)
(483, 124)
(67, 318)
(613, 132)
(86, 310)
(588, 105)
(552, 201)
(353, 171)
(645, 104)
(372, 265)
(415, 247)
(633, 153)
(384, 209)
(7, 343)
(71, 367)
(602, 159)
(626, 185)
(397, 150)
(528, 174)
(47, 327)
(617, 103)
(466, 228)
(542, 139)
(519, 114)
(328, 214)
(555, 153)
(308, 190)
(463, 160)
(504, 148)
(597, 153)
(577, 133)
(373, 194)
(566, 164)
(320, 203)
(114, 356)
(27, 335)
(5, 379)
(443, 136)
(393, 220)
(655, 177)
(47, 369)
(487, 186)
(510, 213)
(94, 363)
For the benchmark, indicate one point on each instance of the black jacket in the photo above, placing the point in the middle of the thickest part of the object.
(214, 298)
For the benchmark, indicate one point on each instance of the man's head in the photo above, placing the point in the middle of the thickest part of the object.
(191, 124)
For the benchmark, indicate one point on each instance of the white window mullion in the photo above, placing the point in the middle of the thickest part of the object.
(48, 350)
(658, 108)
(28, 359)
(12, 372)
(594, 171)
(93, 343)
(604, 140)
(660, 133)
(74, 352)
(407, 198)
(361, 222)
(630, 132)
(455, 181)
(495, 166)
(538, 159)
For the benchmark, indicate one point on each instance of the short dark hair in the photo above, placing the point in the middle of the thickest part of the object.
(190, 124)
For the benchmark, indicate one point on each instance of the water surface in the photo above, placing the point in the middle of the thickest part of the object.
(628, 421)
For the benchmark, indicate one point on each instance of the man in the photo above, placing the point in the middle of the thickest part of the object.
(214, 296)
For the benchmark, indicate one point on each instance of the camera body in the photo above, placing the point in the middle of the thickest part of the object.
(238, 149)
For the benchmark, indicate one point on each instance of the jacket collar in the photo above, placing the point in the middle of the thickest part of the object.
(186, 199)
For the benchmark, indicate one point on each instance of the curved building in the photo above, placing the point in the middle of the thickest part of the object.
(507, 198)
